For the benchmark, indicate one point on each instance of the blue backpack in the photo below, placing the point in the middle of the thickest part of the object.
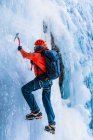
(52, 64)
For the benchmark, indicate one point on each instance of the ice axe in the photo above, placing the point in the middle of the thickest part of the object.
(17, 37)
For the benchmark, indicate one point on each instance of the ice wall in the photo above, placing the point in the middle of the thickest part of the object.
(71, 25)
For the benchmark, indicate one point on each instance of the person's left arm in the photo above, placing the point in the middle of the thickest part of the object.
(25, 54)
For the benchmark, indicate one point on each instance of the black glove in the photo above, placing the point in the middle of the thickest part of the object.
(19, 48)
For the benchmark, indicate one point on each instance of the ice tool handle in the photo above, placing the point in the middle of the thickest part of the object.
(17, 37)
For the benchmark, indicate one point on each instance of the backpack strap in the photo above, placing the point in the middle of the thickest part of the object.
(31, 62)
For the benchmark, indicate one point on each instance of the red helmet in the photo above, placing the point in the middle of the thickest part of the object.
(40, 42)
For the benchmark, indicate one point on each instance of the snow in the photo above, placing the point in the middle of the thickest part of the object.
(71, 23)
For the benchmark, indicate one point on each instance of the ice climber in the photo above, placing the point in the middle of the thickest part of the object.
(40, 81)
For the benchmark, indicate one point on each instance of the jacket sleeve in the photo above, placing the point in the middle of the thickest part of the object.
(27, 55)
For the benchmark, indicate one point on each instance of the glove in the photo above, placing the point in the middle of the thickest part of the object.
(19, 48)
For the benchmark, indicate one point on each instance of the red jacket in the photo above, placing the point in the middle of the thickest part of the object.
(38, 60)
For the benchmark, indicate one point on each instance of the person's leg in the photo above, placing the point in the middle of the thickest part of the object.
(29, 97)
(46, 94)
